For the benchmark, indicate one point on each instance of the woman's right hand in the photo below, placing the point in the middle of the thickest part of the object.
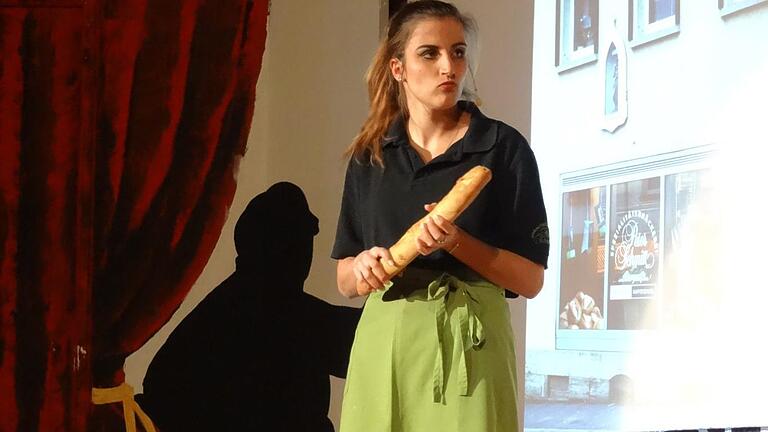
(369, 272)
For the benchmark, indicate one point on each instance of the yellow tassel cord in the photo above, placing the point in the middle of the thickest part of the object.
(123, 393)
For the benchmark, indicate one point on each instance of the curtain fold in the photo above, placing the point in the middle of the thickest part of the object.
(173, 127)
(44, 284)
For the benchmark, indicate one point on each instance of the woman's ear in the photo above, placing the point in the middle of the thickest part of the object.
(396, 67)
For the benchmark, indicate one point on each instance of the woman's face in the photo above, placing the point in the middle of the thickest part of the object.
(434, 64)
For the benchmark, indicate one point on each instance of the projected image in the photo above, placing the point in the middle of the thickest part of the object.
(634, 255)
(662, 329)
(582, 270)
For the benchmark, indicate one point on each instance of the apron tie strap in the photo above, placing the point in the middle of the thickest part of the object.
(470, 336)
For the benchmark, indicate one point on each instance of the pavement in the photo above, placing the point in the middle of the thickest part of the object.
(573, 417)
(583, 417)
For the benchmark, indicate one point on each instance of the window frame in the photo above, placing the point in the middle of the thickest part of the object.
(642, 31)
(729, 7)
(566, 57)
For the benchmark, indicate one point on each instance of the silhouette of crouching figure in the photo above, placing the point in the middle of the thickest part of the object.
(257, 352)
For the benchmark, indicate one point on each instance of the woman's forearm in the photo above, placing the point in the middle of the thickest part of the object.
(500, 266)
(345, 277)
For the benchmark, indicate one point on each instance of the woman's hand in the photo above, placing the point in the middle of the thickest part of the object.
(369, 272)
(436, 233)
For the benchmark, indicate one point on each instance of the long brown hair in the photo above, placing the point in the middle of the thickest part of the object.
(385, 94)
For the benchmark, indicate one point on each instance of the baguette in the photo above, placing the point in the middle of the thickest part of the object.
(463, 193)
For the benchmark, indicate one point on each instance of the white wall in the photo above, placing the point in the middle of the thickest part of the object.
(311, 101)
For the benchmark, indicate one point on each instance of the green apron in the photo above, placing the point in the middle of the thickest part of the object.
(439, 357)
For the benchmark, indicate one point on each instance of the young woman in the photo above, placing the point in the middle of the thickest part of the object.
(434, 349)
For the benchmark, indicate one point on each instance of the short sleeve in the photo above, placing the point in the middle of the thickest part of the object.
(349, 233)
(526, 229)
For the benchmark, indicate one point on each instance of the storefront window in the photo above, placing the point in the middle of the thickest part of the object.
(583, 259)
(685, 247)
(631, 245)
(634, 255)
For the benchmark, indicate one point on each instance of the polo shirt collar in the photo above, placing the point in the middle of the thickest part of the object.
(481, 135)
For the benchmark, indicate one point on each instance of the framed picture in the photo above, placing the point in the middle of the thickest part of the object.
(576, 33)
(728, 7)
(653, 19)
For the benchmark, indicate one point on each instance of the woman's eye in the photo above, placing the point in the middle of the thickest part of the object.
(429, 54)
(460, 53)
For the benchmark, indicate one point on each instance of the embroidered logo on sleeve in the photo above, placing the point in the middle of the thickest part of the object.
(540, 234)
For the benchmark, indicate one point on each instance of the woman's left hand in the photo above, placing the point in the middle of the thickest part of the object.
(436, 233)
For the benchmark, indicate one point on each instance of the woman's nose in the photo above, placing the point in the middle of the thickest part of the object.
(447, 67)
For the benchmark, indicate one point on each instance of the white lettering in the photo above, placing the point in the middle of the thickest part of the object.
(632, 252)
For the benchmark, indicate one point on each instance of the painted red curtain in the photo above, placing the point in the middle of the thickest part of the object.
(178, 94)
(110, 206)
(45, 224)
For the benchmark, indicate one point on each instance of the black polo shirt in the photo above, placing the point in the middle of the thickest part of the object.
(380, 204)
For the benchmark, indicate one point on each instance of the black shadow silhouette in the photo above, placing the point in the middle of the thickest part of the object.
(257, 352)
